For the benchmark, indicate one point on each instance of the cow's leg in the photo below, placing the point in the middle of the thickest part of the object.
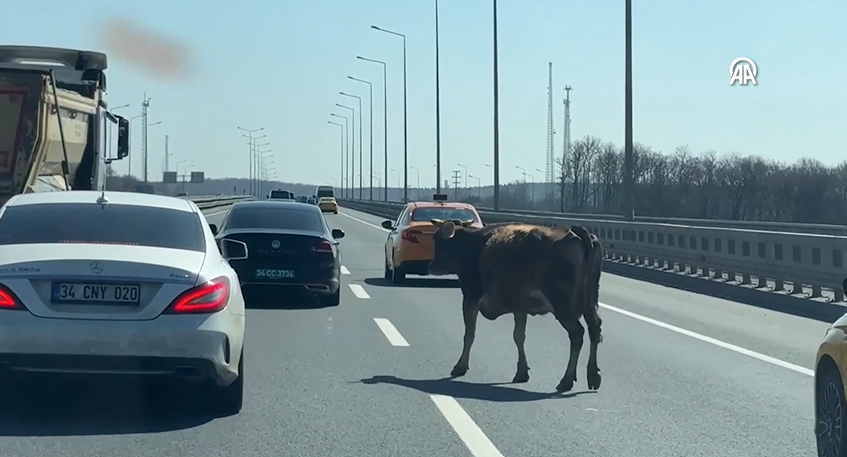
(594, 337)
(470, 311)
(519, 334)
(576, 333)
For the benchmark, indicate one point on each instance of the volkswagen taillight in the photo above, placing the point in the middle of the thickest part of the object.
(323, 246)
(210, 297)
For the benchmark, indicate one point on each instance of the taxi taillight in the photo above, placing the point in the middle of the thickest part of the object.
(411, 235)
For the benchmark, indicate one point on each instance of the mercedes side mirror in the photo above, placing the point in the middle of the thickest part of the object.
(233, 249)
(337, 234)
(388, 225)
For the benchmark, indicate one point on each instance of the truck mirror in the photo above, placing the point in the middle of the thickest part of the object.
(123, 137)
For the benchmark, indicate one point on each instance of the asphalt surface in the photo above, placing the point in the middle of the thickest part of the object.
(683, 375)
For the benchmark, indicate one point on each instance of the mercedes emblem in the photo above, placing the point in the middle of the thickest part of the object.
(275, 244)
(95, 268)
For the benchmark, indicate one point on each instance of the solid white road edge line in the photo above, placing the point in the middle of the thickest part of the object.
(359, 291)
(710, 340)
(391, 333)
(679, 330)
(465, 427)
(344, 270)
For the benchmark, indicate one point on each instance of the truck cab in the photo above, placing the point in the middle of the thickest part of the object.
(54, 121)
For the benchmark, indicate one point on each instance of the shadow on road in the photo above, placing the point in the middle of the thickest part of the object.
(495, 392)
(416, 282)
(73, 407)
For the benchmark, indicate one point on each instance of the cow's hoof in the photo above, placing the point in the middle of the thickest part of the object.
(459, 371)
(594, 380)
(521, 377)
(565, 385)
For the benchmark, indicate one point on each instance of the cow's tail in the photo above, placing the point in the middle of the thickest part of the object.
(587, 244)
(591, 285)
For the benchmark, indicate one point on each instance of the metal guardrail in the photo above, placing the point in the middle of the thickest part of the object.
(207, 202)
(821, 229)
(758, 259)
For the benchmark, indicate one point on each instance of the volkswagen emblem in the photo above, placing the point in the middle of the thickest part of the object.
(275, 244)
(95, 268)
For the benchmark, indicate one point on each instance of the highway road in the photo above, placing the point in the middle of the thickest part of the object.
(683, 375)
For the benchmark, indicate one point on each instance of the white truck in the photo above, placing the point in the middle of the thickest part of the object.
(54, 121)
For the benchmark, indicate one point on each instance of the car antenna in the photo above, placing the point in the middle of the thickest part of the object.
(103, 200)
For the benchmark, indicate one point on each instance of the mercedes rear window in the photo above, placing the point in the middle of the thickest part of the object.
(89, 223)
(443, 213)
(276, 219)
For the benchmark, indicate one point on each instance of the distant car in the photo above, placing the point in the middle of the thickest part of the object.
(303, 199)
(182, 194)
(324, 191)
(130, 284)
(312, 201)
(281, 195)
(409, 246)
(328, 205)
(290, 247)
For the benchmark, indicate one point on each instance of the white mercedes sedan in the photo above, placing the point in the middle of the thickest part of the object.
(120, 283)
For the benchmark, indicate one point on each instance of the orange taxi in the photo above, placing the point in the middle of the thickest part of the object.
(409, 247)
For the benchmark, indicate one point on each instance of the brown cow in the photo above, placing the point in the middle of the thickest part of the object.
(523, 269)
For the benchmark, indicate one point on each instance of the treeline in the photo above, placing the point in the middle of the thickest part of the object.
(706, 185)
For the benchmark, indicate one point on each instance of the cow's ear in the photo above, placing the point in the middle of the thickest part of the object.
(436, 222)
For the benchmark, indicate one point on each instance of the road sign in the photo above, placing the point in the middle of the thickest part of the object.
(198, 177)
(169, 177)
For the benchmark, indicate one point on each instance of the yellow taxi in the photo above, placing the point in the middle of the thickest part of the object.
(409, 247)
(328, 205)
(830, 405)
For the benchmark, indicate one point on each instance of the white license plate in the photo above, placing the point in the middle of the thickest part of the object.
(266, 273)
(84, 293)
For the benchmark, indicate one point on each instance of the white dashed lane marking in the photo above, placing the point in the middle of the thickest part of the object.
(344, 270)
(391, 333)
(465, 427)
(359, 291)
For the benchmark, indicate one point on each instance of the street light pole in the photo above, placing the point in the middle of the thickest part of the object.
(437, 109)
(371, 125)
(361, 183)
(405, 117)
(496, 119)
(628, 184)
(384, 120)
(345, 152)
(342, 143)
(250, 160)
(350, 152)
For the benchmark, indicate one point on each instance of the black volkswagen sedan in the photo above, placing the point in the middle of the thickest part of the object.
(290, 248)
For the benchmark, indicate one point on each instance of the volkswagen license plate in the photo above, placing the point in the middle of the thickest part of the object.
(266, 273)
(92, 293)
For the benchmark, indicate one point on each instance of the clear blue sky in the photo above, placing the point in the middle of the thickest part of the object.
(280, 65)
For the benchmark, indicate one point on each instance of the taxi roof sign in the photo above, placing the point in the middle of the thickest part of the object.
(440, 197)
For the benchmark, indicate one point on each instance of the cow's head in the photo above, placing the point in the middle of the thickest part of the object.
(450, 246)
